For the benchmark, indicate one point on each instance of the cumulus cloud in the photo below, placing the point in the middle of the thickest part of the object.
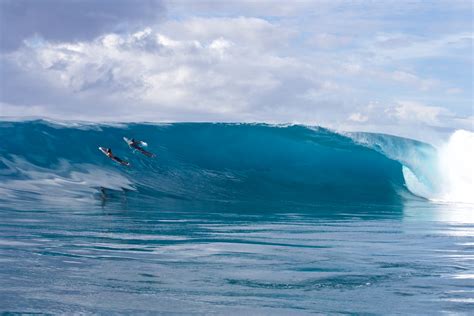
(198, 69)
(219, 70)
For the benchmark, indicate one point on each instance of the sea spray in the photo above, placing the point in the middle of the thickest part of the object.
(456, 168)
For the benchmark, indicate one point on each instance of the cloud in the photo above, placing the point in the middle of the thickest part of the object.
(389, 47)
(358, 117)
(72, 20)
(222, 73)
(326, 63)
(200, 69)
(411, 79)
(405, 113)
(253, 33)
(454, 90)
(246, 7)
(330, 41)
(13, 110)
(409, 111)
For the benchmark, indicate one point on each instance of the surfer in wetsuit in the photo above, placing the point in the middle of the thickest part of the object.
(109, 154)
(135, 144)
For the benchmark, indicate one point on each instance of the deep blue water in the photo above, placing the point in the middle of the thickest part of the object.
(227, 219)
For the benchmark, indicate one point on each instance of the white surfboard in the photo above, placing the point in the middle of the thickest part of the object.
(115, 159)
(129, 142)
(103, 150)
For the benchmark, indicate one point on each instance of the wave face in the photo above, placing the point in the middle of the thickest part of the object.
(204, 164)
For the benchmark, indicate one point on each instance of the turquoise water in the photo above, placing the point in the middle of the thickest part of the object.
(227, 219)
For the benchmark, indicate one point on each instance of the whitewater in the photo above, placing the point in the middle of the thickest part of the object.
(233, 218)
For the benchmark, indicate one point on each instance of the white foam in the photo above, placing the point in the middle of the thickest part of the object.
(451, 177)
(456, 168)
(65, 184)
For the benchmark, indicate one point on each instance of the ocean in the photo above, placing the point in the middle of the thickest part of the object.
(239, 219)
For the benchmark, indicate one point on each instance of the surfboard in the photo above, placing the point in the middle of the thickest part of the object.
(117, 160)
(103, 150)
(129, 142)
(137, 148)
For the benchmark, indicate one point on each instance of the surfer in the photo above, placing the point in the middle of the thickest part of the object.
(135, 144)
(108, 153)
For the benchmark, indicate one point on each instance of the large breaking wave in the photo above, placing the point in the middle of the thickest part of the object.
(202, 164)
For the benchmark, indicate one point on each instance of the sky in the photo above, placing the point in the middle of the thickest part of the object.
(401, 67)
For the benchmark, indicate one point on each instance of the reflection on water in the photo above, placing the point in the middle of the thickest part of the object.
(419, 210)
(130, 257)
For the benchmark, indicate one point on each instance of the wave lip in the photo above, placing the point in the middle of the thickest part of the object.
(443, 174)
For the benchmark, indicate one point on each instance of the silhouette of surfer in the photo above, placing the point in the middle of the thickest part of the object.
(135, 144)
(109, 154)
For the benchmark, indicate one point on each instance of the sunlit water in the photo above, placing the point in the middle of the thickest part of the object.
(416, 260)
